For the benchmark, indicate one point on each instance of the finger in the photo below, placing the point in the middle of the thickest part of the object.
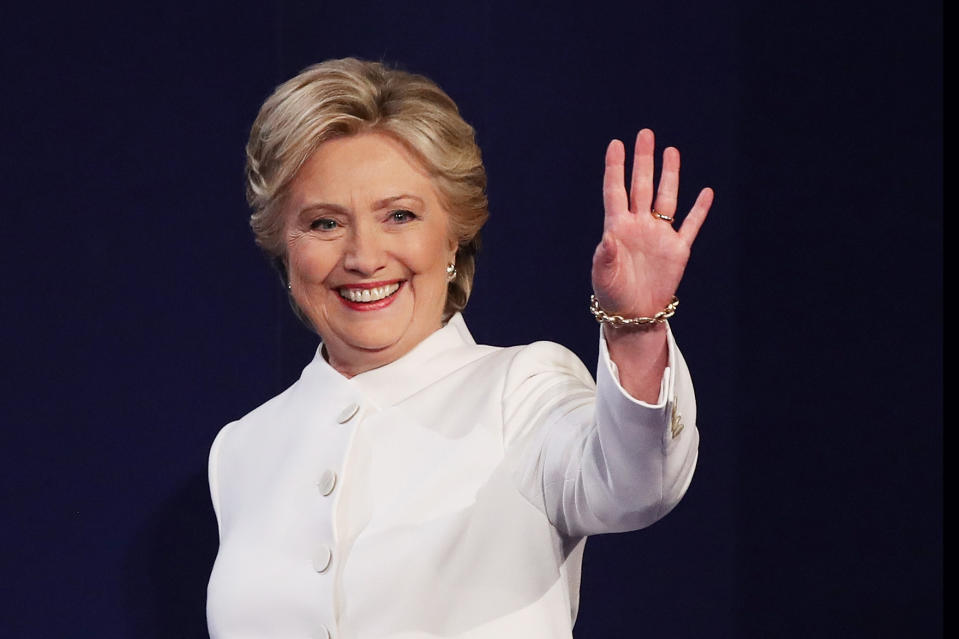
(614, 189)
(668, 183)
(641, 189)
(696, 217)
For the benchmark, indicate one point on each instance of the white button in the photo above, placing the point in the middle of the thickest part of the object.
(326, 482)
(322, 559)
(322, 633)
(348, 413)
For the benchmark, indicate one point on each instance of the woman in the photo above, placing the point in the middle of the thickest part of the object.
(413, 483)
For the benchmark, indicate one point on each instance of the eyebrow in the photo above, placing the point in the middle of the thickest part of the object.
(389, 200)
(379, 204)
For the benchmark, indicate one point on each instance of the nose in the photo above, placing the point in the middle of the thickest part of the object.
(365, 252)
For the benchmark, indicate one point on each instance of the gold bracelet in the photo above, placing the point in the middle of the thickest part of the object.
(617, 321)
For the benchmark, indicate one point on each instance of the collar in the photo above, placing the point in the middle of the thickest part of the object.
(447, 349)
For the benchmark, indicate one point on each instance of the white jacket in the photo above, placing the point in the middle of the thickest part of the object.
(447, 494)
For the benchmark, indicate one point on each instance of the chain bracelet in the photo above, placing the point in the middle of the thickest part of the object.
(617, 321)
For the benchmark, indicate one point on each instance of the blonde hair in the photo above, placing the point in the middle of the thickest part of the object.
(346, 97)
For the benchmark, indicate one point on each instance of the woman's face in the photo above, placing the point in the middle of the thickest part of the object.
(368, 244)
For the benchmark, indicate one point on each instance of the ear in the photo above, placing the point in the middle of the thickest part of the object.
(453, 247)
(279, 263)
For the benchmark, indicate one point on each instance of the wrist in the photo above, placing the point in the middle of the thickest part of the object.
(640, 357)
(648, 339)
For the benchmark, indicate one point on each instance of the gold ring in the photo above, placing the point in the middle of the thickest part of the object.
(664, 218)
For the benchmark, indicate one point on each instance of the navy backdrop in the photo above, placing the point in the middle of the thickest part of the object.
(138, 317)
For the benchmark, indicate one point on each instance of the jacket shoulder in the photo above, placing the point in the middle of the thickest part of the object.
(545, 359)
(261, 416)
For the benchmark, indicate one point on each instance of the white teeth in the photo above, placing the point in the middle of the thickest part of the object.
(369, 294)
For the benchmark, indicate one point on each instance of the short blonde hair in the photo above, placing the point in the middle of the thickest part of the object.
(346, 97)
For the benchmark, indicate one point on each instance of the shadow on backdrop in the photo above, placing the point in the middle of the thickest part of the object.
(167, 564)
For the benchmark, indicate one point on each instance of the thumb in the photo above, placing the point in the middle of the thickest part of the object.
(606, 251)
(604, 262)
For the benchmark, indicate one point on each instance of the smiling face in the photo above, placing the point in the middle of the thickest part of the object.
(367, 243)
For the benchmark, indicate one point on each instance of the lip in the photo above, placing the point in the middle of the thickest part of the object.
(370, 306)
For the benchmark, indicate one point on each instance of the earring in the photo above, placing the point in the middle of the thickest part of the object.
(451, 272)
(289, 286)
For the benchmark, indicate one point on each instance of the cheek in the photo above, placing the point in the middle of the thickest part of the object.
(433, 250)
(309, 264)
(430, 259)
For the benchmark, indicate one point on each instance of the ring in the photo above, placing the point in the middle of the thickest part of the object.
(664, 218)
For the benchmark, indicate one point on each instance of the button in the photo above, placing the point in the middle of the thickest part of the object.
(322, 559)
(348, 413)
(322, 633)
(327, 482)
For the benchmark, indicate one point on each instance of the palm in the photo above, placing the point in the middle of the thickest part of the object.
(640, 261)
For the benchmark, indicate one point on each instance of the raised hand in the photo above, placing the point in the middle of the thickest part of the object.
(640, 261)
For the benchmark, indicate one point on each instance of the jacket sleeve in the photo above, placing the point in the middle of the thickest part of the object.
(595, 459)
(213, 474)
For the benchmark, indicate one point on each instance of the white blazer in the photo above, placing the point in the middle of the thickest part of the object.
(447, 494)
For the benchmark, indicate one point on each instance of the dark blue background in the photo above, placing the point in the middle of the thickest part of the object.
(138, 317)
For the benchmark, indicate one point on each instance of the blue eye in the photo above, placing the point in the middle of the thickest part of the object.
(323, 224)
(402, 216)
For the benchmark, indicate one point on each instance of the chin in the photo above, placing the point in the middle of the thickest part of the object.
(374, 340)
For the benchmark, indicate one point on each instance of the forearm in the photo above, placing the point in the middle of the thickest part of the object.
(634, 464)
(641, 357)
